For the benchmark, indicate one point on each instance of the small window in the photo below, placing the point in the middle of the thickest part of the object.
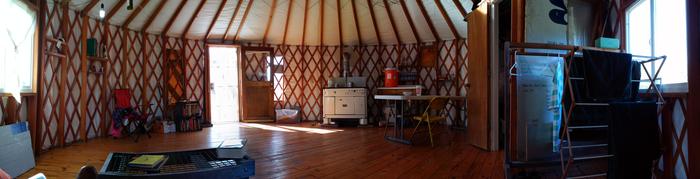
(656, 28)
(275, 72)
(17, 43)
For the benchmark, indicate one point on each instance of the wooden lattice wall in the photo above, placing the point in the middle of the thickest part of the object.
(307, 68)
(76, 105)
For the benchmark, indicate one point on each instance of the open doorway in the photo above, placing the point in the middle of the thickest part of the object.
(223, 72)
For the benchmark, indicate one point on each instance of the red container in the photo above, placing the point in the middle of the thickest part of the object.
(391, 77)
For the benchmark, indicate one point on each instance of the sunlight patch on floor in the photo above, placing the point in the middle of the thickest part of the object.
(312, 130)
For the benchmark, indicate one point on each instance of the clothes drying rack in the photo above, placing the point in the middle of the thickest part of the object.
(567, 156)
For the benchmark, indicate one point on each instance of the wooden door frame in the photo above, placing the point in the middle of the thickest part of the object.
(207, 78)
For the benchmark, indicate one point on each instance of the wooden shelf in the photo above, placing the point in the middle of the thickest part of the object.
(55, 54)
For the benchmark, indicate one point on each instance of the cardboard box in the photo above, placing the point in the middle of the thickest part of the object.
(611, 43)
(168, 127)
(164, 127)
(16, 154)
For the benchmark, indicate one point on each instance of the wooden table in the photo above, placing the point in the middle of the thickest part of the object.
(398, 101)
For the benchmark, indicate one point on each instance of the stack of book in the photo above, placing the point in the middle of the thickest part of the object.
(232, 149)
(148, 162)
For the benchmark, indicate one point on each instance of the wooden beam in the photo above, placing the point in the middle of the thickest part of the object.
(517, 21)
(194, 16)
(393, 23)
(286, 22)
(374, 22)
(216, 17)
(230, 22)
(153, 16)
(357, 24)
(447, 18)
(303, 29)
(245, 16)
(460, 8)
(340, 23)
(82, 127)
(267, 27)
(410, 21)
(321, 21)
(63, 79)
(135, 13)
(172, 18)
(89, 7)
(114, 10)
(427, 19)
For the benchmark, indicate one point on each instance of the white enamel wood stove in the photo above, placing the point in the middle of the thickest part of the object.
(344, 103)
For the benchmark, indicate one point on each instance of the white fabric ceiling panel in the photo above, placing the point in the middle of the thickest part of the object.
(456, 17)
(330, 23)
(438, 21)
(141, 18)
(254, 27)
(402, 25)
(278, 22)
(313, 24)
(260, 15)
(183, 18)
(365, 21)
(237, 20)
(421, 24)
(203, 19)
(121, 15)
(350, 36)
(296, 23)
(386, 31)
(164, 16)
(217, 31)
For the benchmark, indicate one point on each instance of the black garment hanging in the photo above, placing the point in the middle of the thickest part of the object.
(607, 74)
(635, 139)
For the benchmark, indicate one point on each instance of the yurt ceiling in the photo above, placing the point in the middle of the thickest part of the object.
(290, 22)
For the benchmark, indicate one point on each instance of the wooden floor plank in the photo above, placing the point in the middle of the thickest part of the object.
(299, 151)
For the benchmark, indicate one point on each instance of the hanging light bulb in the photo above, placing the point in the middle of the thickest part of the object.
(102, 11)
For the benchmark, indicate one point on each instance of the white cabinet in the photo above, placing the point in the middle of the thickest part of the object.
(345, 103)
(328, 105)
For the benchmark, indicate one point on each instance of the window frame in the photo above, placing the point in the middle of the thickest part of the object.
(35, 56)
(666, 88)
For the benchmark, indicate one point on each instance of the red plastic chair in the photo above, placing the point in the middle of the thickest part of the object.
(136, 117)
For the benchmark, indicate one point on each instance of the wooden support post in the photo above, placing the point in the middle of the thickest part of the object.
(693, 118)
(63, 80)
(38, 105)
(145, 73)
(82, 127)
(32, 109)
(106, 88)
(125, 58)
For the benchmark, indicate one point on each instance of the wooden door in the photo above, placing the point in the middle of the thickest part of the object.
(478, 102)
(257, 92)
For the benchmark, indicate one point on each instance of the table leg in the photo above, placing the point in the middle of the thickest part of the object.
(398, 124)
